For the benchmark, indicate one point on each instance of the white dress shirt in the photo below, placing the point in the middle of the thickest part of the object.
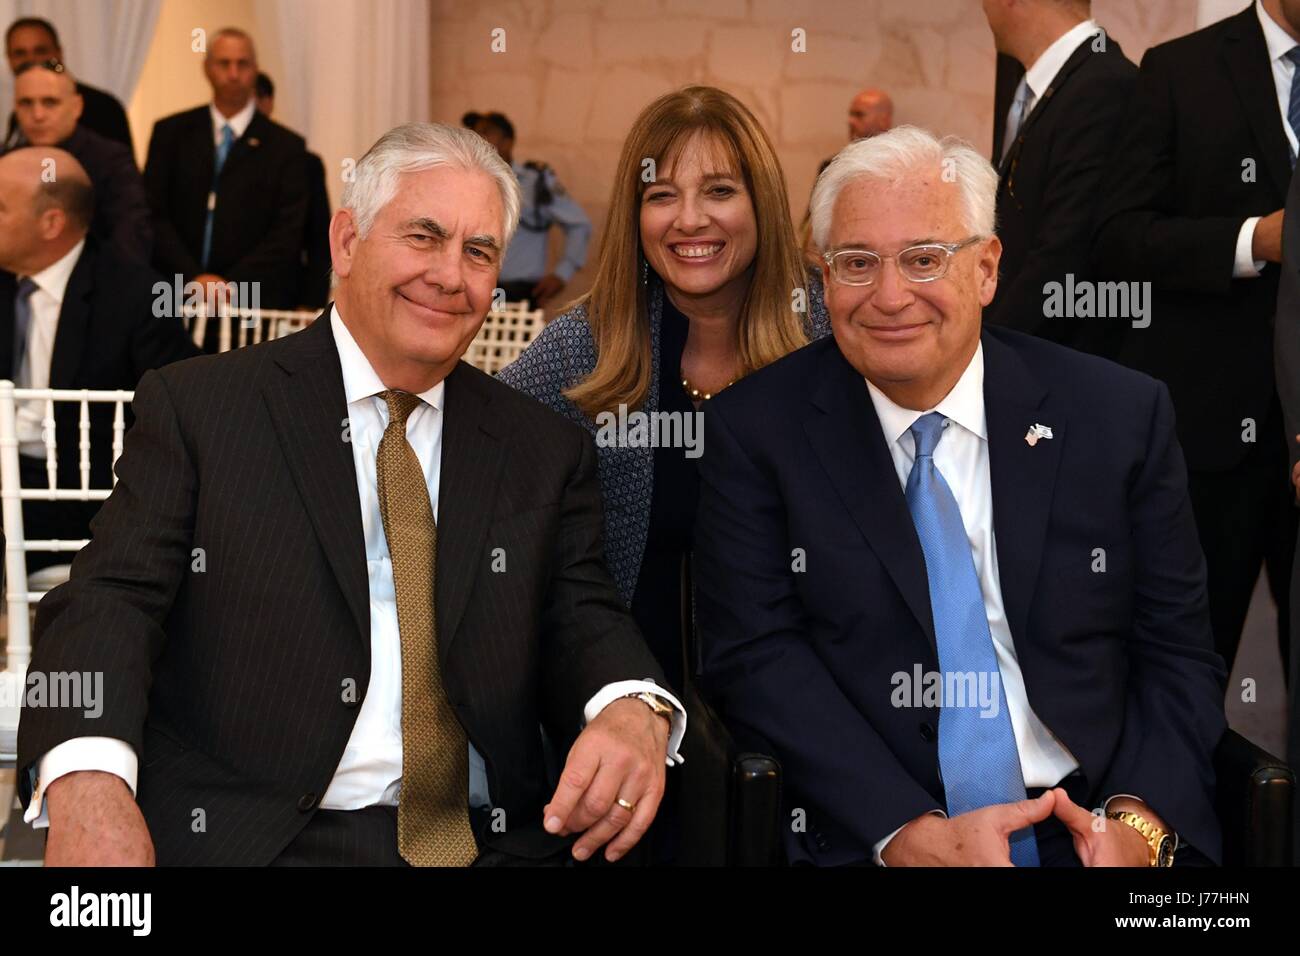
(1042, 73)
(962, 457)
(237, 123)
(1244, 265)
(1040, 76)
(46, 303)
(370, 770)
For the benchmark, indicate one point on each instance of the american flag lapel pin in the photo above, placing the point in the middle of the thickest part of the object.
(1036, 432)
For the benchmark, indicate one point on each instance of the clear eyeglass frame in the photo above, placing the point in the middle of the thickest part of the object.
(908, 261)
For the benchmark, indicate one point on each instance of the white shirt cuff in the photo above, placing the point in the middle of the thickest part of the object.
(623, 688)
(80, 753)
(1244, 266)
(880, 846)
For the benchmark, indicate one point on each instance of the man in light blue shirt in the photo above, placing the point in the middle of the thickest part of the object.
(524, 274)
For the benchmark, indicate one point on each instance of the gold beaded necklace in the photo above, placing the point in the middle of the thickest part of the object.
(698, 395)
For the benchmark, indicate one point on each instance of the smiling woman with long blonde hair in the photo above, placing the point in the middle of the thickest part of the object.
(699, 282)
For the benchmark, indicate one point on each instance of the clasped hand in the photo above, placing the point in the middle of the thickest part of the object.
(983, 837)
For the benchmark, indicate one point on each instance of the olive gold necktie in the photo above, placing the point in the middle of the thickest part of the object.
(432, 813)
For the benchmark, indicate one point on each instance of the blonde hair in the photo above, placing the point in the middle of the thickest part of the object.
(617, 305)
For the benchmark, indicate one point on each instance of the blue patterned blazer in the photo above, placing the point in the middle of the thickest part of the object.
(563, 354)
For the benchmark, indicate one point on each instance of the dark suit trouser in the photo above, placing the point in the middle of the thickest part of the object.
(365, 837)
(1246, 518)
(368, 837)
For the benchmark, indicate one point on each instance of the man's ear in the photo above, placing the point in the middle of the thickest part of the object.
(343, 241)
(988, 266)
(52, 223)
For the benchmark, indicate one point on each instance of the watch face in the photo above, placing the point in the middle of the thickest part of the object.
(1165, 852)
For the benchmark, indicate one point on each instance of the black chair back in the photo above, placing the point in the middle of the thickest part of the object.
(1256, 804)
(731, 799)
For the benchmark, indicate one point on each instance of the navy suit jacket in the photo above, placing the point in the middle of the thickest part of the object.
(1119, 664)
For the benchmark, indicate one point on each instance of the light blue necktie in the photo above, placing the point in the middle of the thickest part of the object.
(1293, 105)
(1016, 115)
(977, 754)
(22, 323)
(223, 150)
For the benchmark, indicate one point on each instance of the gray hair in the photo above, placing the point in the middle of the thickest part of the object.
(231, 33)
(891, 156)
(417, 146)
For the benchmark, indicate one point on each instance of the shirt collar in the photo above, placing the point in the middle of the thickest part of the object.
(239, 122)
(1275, 38)
(1040, 76)
(359, 379)
(964, 404)
(53, 279)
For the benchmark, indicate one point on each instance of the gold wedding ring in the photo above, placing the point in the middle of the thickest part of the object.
(629, 807)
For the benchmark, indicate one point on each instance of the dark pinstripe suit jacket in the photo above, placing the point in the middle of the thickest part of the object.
(226, 668)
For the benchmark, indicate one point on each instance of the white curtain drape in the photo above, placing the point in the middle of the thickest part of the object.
(104, 41)
(348, 72)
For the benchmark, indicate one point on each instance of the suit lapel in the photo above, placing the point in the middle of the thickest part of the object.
(201, 163)
(1023, 476)
(1246, 55)
(246, 147)
(308, 408)
(74, 320)
(473, 452)
(845, 434)
(1041, 105)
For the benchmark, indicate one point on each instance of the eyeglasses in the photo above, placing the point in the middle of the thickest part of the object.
(923, 263)
(54, 66)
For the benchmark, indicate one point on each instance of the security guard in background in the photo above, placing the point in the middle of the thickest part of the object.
(545, 204)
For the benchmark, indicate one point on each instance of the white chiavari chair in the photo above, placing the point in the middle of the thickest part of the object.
(505, 333)
(21, 591)
(238, 327)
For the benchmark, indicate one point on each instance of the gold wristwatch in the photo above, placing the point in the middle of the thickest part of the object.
(1162, 844)
(656, 703)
